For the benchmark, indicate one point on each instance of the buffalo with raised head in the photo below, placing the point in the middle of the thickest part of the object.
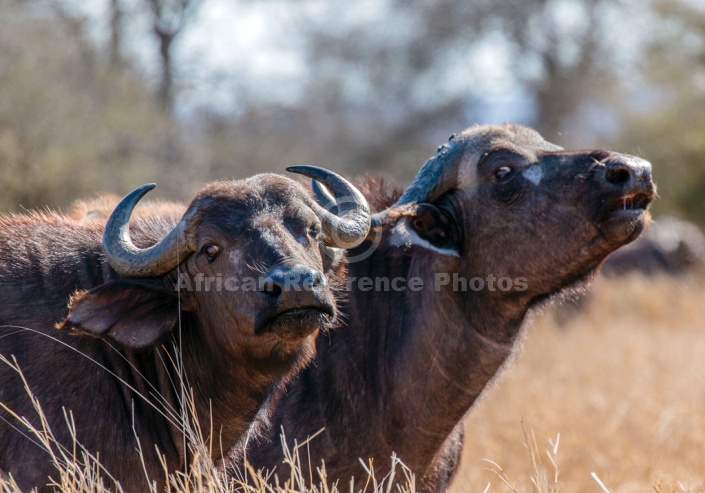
(221, 302)
(495, 224)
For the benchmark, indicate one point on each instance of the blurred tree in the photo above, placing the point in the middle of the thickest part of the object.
(563, 52)
(116, 13)
(70, 126)
(389, 80)
(169, 19)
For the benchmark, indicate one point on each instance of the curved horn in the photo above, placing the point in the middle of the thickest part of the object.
(438, 175)
(323, 197)
(350, 226)
(129, 260)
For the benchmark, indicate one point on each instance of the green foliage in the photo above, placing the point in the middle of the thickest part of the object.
(669, 128)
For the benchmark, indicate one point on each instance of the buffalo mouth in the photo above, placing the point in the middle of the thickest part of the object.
(296, 323)
(630, 205)
(622, 218)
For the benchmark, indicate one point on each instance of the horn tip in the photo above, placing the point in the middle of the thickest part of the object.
(301, 168)
(142, 189)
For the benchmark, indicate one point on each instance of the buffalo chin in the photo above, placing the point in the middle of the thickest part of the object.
(624, 226)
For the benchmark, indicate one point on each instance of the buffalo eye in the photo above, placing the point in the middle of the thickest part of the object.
(314, 231)
(211, 252)
(502, 173)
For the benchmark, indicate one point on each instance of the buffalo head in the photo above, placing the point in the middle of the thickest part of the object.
(254, 263)
(501, 202)
(503, 213)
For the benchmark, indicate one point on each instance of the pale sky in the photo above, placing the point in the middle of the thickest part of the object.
(248, 50)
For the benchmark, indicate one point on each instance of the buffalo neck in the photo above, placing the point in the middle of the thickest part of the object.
(228, 389)
(413, 360)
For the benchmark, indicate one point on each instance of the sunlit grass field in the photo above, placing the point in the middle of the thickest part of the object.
(615, 397)
(611, 399)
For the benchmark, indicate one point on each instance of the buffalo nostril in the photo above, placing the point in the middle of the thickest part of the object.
(272, 286)
(317, 280)
(617, 174)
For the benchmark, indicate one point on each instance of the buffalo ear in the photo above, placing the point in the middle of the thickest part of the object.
(432, 226)
(132, 314)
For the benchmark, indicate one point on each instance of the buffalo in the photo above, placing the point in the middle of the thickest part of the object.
(143, 321)
(496, 223)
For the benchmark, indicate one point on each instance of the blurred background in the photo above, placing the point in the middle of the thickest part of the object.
(105, 95)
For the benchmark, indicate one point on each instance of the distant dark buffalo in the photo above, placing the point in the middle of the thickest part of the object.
(143, 324)
(669, 246)
(495, 224)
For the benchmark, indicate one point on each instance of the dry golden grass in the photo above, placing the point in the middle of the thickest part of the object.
(610, 401)
(622, 383)
(78, 471)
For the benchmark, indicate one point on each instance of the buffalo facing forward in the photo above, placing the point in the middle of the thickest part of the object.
(144, 327)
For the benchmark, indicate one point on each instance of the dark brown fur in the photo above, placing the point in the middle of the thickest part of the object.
(53, 270)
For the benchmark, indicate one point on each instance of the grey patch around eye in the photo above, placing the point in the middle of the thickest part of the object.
(534, 174)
